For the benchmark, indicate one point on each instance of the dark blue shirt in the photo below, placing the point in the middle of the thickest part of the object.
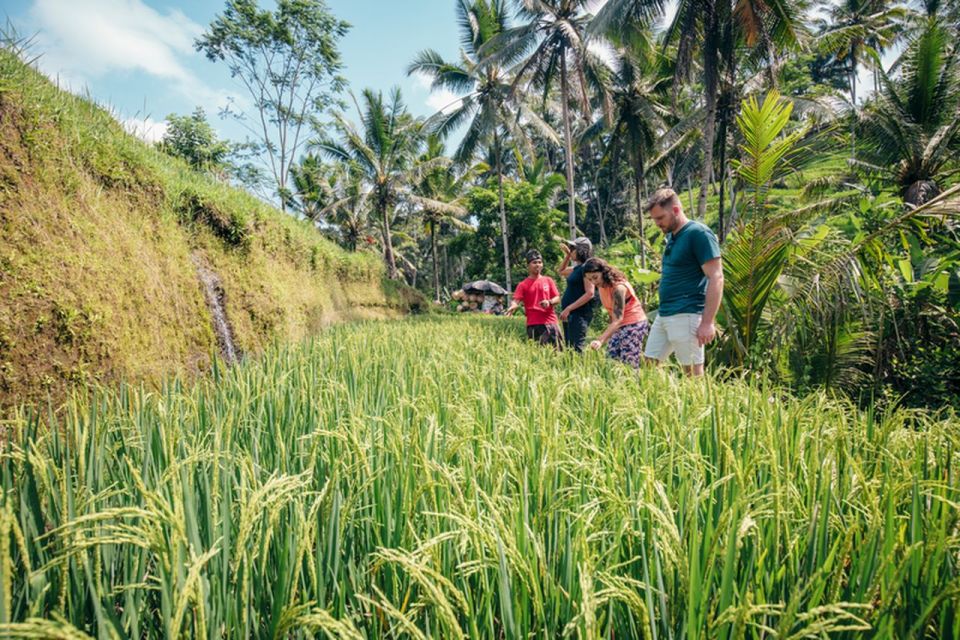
(574, 290)
(683, 286)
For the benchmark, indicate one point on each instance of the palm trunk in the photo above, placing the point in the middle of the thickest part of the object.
(722, 136)
(446, 268)
(643, 238)
(597, 199)
(601, 220)
(732, 218)
(436, 263)
(709, 125)
(388, 244)
(853, 109)
(503, 213)
(727, 98)
(568, 143)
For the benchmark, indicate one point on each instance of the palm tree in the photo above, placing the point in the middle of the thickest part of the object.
(348, 210)
(638, 123)
(333, 196)
(307, 197)
(716, 31)
(384, 151)
(552, 42)
(858, 31)
(486, 89)
(438, 194)
(913, 127)
(536, 173)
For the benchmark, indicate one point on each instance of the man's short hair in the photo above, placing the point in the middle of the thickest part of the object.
(532, 255)
(665, 197)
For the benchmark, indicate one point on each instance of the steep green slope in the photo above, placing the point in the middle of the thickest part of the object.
(103, 240)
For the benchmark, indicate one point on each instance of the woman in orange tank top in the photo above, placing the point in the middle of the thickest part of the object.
(628, 326)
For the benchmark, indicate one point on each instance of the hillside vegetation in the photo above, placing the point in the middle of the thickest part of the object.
(392, 480)
(102, 240)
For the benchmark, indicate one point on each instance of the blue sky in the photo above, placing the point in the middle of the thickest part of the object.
(137, 57)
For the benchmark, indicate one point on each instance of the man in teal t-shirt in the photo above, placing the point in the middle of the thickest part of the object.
(691, 285)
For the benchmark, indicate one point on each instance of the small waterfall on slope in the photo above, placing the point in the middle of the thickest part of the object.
(214, 295)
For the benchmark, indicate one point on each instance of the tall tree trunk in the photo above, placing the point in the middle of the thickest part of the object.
(601, 218)
(727, 100)
(731, 219)
(599, 201)
(388, 244)
(690, 193)
(446, 268)
(637, 180)
(709, 125)
(503, 212)
(568, 143)
(722, 137)
(853, 108)
(436, 263)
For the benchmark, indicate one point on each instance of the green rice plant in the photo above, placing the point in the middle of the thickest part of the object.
(440, 477)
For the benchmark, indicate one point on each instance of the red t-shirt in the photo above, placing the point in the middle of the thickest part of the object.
(530, 292)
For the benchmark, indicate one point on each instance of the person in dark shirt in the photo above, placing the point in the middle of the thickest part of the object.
(691, 285)
(577, 303)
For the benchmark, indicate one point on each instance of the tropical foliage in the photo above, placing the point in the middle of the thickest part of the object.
(559, 109)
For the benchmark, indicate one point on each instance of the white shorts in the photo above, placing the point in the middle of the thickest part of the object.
(675, 334)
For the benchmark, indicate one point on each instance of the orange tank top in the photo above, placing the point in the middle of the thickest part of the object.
(632, 311)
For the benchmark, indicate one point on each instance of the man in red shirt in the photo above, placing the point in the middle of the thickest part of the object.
(538, 294)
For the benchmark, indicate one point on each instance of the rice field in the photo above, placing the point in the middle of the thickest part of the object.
(440, 478)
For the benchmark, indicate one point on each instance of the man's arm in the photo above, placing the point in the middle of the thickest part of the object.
(564, 268)
(555, 296)
(713, 270)
(517, 300)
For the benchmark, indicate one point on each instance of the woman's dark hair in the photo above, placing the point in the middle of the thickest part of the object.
(609, 274)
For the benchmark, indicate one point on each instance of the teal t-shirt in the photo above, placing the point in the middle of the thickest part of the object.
(683, 287)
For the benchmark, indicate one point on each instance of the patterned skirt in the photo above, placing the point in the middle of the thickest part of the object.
(626, 345)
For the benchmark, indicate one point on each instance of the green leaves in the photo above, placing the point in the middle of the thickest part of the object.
(765, 153)
(757, 253)
(912, 126)
(288, 63)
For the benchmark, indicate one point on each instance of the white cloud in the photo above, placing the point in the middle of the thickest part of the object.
(438, 99)
(147, 129)
(422, 81)
(98, 36)
(443, 100)
(84, 40)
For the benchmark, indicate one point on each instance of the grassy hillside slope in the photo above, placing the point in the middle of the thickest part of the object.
(101, 240)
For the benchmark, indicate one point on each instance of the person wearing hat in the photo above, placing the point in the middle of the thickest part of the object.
(577, 304)
(538, 294)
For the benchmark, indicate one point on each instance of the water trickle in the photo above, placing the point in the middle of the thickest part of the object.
(215, 296)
